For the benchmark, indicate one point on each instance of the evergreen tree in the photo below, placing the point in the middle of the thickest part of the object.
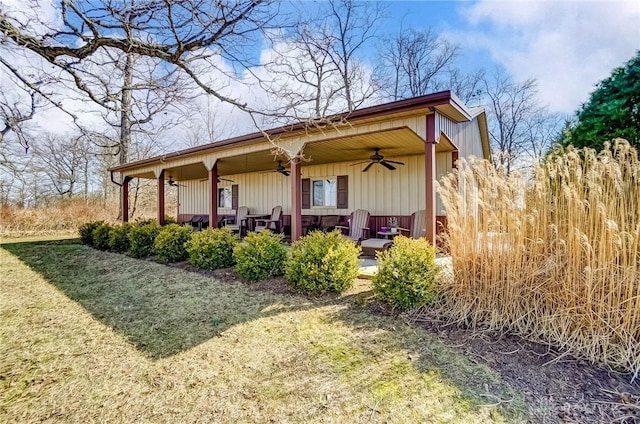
(613, 110)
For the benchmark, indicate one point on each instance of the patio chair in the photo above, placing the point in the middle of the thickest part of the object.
(358, 228)
(417, 229)
(274, 224)
(238, 223)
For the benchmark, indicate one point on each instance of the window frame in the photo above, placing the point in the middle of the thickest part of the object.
(324, 181)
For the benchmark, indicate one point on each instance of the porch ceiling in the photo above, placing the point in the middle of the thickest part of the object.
(392, 142)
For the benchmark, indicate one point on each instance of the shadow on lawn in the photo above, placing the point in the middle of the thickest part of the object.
(161, 310)
(166, 310)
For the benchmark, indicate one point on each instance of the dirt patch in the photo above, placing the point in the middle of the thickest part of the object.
(557, 387)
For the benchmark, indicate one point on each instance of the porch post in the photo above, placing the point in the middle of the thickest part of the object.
(296, 200)
(161, 198)
(125, 198)
(430, 177)
(213, 196)
(454, 159)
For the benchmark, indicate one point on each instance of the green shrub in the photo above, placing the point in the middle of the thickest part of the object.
(101, 236)
(322, 262)
(406, 273)
(212, 248)
(86, 232)
(168, 220)
(141, 239)
(261, 256)
(119, 237)
(169, 243)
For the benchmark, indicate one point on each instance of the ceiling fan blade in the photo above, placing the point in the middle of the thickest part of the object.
(359, 163)
(387, 165)
(394, 161)
(225, 179)
(366, 168)
(285, 173)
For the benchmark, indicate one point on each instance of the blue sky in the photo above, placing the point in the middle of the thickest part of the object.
(567, 46)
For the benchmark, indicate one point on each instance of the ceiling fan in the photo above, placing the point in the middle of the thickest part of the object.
(173, 183)
(376, 157)
(281, 169)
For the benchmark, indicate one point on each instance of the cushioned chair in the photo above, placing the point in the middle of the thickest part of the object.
(239, 223)
(358, 228)
(274, 224)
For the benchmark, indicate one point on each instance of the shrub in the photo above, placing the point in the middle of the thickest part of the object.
(101, 236)
(261, 256)
(168, 220)
(86, 231)
(141, 239)
(406, 273)
(169, 243)
(119, 238)
(322, 262)
(212, 248)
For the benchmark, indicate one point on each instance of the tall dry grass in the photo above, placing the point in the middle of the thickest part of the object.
(60, 218)
(555, 257)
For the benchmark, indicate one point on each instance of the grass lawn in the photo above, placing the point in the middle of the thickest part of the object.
(90, 336)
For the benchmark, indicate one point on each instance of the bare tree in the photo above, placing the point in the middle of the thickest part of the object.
(512, 108)
(351, 25)
(415, 61)
(64, 162)
(185, 35)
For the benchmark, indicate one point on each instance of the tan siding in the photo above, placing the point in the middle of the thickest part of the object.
(380, 191)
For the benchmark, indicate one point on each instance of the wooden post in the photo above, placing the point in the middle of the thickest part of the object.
(161, 198)
(125, 199)
(430, 178)
(296, 200)
(213, 196)
(454, 159)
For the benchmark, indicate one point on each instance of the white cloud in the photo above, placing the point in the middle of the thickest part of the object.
(567, 46)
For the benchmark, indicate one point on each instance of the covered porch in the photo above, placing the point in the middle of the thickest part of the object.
(324, 167)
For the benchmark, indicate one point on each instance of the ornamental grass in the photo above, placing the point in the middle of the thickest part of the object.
(554, 257)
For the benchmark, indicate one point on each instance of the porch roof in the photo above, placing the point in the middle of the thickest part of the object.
(247, 153)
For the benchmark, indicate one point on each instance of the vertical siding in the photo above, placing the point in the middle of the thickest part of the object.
(380, 191)
(465, 135)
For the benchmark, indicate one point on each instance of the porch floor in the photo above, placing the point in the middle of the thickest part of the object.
(369, 266)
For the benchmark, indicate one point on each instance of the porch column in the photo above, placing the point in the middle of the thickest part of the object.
(125, 198)
(430, 178)
(454, 159)
(213, 196)
(161, 198)
(296, 200)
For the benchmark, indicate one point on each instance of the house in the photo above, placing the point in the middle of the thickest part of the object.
(329, 173)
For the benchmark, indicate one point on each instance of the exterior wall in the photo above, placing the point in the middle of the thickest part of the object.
(466, 135)
(380, 191)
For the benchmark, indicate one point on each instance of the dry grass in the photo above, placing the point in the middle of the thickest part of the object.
(557, 258)
(91, 336)
(63, 217)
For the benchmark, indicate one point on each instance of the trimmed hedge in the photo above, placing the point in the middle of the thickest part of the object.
(85, 231)
(119, 238)
(261, 256)
(170, 241)
(407, 272)
(322, 262)
(212, 248)
(101, 236)
(142, 238)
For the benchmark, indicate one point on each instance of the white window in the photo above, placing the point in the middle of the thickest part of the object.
(224, 197)
(325, 192)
